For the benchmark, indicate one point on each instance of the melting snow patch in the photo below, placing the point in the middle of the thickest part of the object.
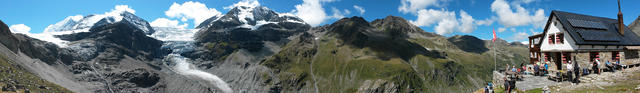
(185, 68)
(173, 34)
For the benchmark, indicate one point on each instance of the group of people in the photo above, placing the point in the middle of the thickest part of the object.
(573, 72)
(512, 74)
(609, 64)
(540, 68)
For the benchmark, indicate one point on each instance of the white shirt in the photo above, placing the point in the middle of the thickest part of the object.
(569, 67)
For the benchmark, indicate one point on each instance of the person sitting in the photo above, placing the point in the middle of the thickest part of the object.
(621, 65)
(536, 69)
(609, 66)
(617, 65)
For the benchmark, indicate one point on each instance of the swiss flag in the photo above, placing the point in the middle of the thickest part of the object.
(494, 36)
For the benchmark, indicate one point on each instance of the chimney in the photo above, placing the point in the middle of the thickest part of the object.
(620, 23)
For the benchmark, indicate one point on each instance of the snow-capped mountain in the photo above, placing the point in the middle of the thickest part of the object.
(79, 23)
(249, 16)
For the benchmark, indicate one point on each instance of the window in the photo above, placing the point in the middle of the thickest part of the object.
(593, 56)
(559, 38)
(546, 57)
(631, 54)
(551, 39)
(566, 57)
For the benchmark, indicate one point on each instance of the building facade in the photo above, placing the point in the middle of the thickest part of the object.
(583, 39)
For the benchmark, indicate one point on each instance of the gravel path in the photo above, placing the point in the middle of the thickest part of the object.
(533, 82)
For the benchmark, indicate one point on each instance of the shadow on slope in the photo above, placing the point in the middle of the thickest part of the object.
(469, 43)
(357, 32)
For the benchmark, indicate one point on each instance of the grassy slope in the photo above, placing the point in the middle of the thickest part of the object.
(12, 74)
(343, 68)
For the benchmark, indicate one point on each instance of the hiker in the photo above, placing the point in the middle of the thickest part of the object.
(546, 68)
(617, 65)
(506, 69)
(620, 65)
(569, 70)
(524, 69)
(609, 66)
(595, 67)
(576, 71)
(488, 88)
(507, 85)
(536, 68)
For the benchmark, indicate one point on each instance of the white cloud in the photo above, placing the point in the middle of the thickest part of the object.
(446, 26)
(446, 21)
(467, 22)
(520, 17)
(347, 12)
(485, 22)
(533, 31)
(426, 17)
(20, 28)
(414, 6)
(252, 3)
(191, 10)
(164, 22)
(359, 8)
(337, 14)
(311, 11)
(122, 8)
(502, 29)
(520, 36)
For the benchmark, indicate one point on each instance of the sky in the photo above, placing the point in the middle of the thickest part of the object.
(513, 20)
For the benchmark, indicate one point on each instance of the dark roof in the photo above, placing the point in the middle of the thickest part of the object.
(592, 30)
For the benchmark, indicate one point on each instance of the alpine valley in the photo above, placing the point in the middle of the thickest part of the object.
(250, 49)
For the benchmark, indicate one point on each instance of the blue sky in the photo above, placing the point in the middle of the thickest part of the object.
(446, 17)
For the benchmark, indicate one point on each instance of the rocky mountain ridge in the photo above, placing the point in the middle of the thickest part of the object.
(254, 49)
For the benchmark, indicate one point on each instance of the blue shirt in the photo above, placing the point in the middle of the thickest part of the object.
(546, 66)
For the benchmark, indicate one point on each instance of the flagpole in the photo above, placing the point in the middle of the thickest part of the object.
(494, 49)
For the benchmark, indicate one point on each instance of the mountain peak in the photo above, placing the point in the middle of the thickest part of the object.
(248, 15)
(354, 21)
(394, 23)
(78, 23)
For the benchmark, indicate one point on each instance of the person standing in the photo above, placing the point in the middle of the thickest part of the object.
(597, 66)
(576, 71)
(569, 70)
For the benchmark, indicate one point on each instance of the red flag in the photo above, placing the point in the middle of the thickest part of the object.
(494, 36)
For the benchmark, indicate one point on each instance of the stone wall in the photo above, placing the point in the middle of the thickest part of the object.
(630, 57)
